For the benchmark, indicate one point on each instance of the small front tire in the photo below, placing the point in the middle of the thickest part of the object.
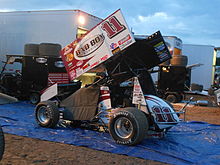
(47, 114)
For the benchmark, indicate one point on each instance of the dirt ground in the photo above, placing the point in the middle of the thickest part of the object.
(26, 151)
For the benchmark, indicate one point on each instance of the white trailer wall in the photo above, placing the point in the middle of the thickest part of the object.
(204, 55)
(19, 28)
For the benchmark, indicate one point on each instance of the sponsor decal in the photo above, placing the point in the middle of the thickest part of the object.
(116, 50)
(159, 47)
(69, 57)
(124, 142)
(113, 46)
(41, 60)
(138, 97)
(85, 66)
(67, 50)
(79, 71)
(94, 64)
(59, 64)
(70, 64)
(86, 69)
(105, 57)
(161, 51)
(79, 63)
(84, 50)
(119, 113)
(72, 74)
(178, 44)
(112, 27)
(125, 39)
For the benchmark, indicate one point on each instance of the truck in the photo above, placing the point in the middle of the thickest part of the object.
(50, 26)
(128, 112)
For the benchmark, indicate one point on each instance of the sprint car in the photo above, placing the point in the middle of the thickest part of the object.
(122, 100)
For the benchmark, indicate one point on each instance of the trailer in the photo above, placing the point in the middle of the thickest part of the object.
(51, 26)
(205, 55)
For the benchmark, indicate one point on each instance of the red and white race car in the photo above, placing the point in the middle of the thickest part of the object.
(122, 100)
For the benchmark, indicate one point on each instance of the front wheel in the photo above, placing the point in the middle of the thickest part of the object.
(128, 126)
(47, 114)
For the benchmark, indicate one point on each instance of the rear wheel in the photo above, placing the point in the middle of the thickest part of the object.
(47, 114)
(128, 126)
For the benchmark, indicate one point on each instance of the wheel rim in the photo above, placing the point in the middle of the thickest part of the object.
(123, 127)
(43, 115)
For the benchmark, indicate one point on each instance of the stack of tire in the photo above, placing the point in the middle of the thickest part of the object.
(179, 60)
(42, 49)
(31, 49)
(49, 49)
(176, 60)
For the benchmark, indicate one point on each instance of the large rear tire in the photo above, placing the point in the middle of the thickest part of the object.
(47, 114)
(49, 49)
(31, 49)
(128, 126)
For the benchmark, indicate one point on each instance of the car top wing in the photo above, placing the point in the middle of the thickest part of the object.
(105, 40)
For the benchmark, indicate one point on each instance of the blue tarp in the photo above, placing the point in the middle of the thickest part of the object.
(185, 143)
